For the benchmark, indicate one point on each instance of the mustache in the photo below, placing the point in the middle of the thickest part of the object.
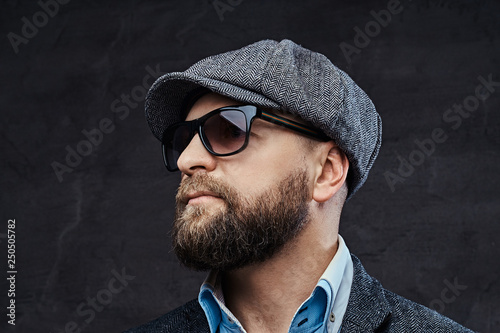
(199, 183)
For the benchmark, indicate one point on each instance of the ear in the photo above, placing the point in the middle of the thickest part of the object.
(331, 172)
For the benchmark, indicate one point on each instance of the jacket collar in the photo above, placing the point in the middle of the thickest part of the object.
(368, 309)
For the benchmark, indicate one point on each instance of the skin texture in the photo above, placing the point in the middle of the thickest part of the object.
(265, 295)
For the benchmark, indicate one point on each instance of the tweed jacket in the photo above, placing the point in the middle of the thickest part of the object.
(371, 308)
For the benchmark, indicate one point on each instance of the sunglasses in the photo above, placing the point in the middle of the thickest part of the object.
(223, 132)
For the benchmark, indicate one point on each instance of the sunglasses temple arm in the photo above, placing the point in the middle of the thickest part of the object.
(293, 125)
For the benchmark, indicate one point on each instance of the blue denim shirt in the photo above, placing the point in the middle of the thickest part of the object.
(321, 312)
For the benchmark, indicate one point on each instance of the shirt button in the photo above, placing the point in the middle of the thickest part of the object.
(230, 320)
(332, 317)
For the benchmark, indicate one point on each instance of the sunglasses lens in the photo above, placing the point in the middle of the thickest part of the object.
(226, 131)
(223, 132)
(176, 140)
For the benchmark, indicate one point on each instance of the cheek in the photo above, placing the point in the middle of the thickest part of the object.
(248, 178)
(252, 171)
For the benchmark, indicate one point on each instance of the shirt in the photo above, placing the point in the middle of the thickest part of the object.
(321, 312)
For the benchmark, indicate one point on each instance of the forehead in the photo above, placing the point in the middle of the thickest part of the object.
(207, 103)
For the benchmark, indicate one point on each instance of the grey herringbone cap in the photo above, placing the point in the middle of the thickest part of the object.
(280, 75)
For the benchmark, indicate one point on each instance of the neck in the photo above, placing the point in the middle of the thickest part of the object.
(265, 296)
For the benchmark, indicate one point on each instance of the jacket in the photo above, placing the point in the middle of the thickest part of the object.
(371, 308)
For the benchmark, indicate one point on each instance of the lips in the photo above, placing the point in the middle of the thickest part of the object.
(199, 196)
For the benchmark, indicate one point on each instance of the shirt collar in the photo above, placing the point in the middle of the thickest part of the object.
(325, 307)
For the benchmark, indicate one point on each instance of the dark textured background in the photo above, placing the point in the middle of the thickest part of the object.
(114, 210)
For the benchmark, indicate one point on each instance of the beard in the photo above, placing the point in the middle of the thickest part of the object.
(243, 230)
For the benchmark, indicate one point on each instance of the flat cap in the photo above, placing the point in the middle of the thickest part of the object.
(286, 76)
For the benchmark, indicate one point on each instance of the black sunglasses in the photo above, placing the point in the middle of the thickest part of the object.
(223, 132)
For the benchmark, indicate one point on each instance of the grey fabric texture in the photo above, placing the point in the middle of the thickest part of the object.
(280, 75)
(371, 308)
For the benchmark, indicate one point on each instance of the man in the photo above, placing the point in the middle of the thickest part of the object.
(271, 140)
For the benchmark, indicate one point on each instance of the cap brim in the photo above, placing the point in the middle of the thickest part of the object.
(165, 99)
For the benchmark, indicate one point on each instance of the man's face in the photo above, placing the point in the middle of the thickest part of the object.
(238, 210)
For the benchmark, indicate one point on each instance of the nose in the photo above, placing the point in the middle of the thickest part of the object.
(196, 158)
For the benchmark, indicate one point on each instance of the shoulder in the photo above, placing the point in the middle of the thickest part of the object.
(407, 315)
(373, 308)
(187, 318)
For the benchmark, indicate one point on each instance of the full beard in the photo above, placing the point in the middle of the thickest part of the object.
(241, 232)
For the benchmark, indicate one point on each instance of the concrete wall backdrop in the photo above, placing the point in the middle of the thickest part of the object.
(92, 248)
